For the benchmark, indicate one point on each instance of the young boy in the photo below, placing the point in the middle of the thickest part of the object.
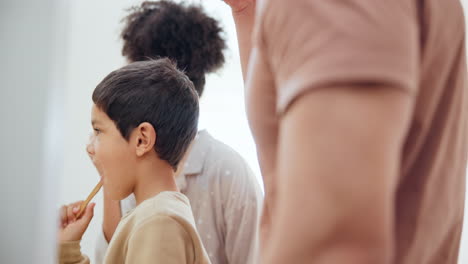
(144, 118)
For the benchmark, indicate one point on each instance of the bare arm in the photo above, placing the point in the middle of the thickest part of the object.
(243, 12)
(338, 165)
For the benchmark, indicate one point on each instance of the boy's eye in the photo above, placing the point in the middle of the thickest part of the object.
(96, 131)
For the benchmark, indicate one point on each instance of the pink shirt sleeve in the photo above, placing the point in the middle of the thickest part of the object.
(317, 44)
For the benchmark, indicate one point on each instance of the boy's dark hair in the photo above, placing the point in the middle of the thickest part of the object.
(156, 92)
(182, 33)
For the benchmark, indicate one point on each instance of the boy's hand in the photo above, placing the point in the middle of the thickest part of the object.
(71, 228)
(239, 5)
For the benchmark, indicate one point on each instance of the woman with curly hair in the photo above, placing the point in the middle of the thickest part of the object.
(223, 191)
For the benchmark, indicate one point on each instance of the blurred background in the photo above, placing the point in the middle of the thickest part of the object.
(54, 54)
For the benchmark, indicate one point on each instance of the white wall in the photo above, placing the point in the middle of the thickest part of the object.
(94, 51)
(33, 53)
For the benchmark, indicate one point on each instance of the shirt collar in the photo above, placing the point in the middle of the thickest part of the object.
(194, 164)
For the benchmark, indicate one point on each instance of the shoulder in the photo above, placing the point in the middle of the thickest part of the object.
(229, 172)
(220, 156)
(223, 171)
(162, 239)
(159, 226)
(165, 205)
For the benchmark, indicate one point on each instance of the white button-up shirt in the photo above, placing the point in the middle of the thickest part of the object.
(226, 201)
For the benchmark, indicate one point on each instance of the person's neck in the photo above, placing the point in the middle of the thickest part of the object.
(154, 176)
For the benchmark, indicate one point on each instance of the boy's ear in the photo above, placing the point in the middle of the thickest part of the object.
(145, 138)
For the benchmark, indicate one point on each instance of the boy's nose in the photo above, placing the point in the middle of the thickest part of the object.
(90, 146)
(90, 149)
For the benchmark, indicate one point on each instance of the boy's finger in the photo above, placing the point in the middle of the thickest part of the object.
(76, 206)
(89, 212)
(70, 215)
(63, 216)
(87, 215)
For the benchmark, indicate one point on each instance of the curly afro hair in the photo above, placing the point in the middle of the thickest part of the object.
(180, 32)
